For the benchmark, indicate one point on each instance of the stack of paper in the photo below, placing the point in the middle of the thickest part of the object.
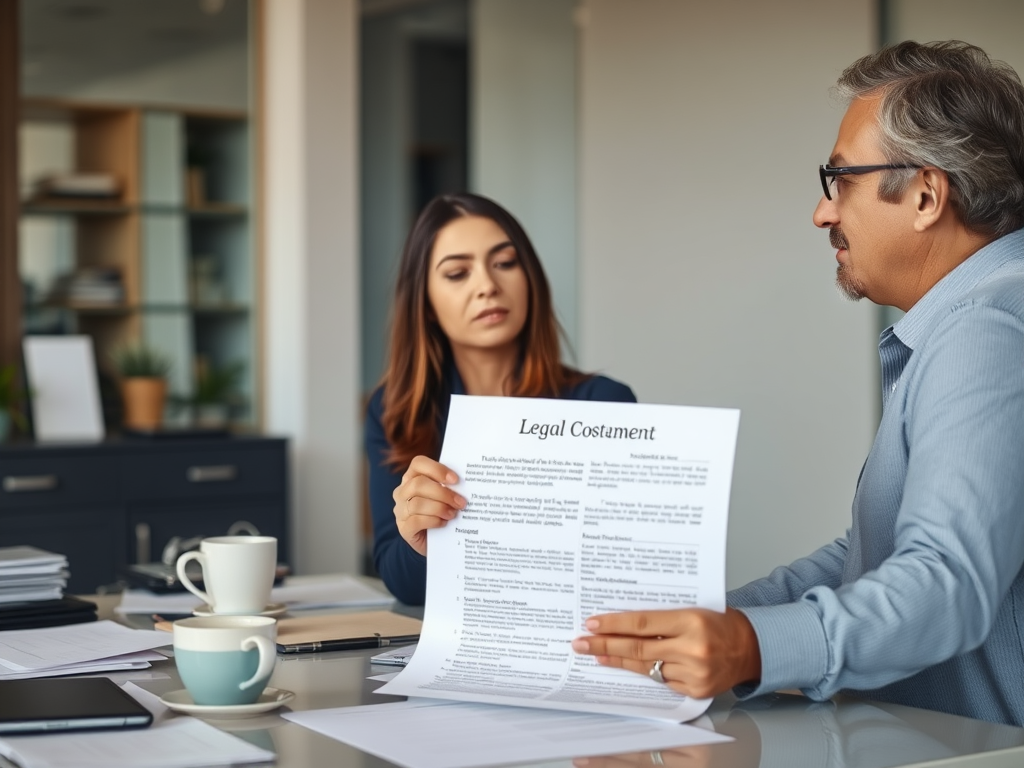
(27, 573)
(76, 649)
(97, 185)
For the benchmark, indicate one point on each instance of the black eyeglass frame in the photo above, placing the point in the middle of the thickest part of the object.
(827, 172)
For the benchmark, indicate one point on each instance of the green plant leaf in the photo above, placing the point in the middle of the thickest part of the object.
(217, 385)
(139, 360)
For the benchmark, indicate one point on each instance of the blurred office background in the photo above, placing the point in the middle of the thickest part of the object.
(661, 153)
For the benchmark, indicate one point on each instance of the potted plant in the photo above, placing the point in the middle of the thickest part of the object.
(216, 390)
(143, 372)
(11, 398)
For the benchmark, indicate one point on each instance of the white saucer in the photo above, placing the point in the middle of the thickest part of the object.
(271, 698)
(274, 609)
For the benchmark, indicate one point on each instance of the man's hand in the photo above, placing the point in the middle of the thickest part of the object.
(704, 652)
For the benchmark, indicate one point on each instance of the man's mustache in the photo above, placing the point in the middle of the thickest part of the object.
(837, 239)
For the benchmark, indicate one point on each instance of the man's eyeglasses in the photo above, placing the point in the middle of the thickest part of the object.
(828, 173)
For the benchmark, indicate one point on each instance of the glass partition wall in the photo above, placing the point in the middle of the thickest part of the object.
(414, 139)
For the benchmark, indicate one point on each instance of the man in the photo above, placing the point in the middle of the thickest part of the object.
(922, 603)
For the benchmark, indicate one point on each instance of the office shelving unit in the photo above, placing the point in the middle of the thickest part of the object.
(178, 235)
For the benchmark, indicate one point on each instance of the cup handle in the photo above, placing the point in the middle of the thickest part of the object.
(184, 579)
(268, 657)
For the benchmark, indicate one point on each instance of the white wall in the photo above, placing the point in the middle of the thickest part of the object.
(311, 275)
(701, 278)
(995, 25)
(523, 128)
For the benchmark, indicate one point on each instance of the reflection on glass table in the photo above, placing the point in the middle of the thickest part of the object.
(790, 731)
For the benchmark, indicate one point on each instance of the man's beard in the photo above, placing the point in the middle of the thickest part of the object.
(847, 284)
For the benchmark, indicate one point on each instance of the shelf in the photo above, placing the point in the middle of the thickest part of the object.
(84, 309)
(219, 309)
(198, 309)
(75, 207)
(178, 238)
(120, 309)
(83, 207)
(217, 210)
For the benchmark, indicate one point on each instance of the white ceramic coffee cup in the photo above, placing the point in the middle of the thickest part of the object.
(225, 660)
(238, 572)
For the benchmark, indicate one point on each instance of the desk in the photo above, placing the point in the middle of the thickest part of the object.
(783, 731)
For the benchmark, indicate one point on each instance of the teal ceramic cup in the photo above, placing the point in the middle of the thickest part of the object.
(225, 660)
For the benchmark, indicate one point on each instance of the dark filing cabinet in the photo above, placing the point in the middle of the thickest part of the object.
(110, 504)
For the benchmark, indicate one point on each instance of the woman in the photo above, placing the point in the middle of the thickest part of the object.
(472, 316)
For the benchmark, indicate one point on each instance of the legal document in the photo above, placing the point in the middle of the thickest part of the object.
(575, 509)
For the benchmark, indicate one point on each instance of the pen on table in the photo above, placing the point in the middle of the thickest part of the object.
(348, 644)
(162, 622)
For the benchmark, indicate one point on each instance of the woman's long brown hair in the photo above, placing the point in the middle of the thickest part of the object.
(419, 350)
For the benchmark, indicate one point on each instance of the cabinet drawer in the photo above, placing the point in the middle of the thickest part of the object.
(70, 481)
(207, 473)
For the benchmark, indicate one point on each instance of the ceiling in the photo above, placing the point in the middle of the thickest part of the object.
(69, 44)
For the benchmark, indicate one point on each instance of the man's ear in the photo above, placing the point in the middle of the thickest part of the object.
(930, 191)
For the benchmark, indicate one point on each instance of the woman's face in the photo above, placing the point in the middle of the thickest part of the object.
(476, 285)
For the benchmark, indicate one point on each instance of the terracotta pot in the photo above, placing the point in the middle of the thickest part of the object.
(144, 399)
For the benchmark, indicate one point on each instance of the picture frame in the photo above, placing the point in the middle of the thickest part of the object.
(63, 388)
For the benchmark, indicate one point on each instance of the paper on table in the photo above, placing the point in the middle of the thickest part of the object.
(143, 601)
(148, 699)
(140, 660)
(339, 591)
(23, 650)
(179, 742)
(396, 657)
(575, 509)
(459, 735)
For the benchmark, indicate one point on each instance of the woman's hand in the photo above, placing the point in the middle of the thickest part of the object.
(423, 502)
(703, 653)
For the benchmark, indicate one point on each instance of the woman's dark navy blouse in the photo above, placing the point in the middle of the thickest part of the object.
(402, 568)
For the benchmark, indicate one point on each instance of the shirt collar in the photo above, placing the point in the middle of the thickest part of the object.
(455, 385)
(974, 270)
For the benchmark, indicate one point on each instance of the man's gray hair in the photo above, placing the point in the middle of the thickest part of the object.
(949, 106)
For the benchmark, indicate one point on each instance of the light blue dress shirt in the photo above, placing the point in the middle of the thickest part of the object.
(922, 603)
